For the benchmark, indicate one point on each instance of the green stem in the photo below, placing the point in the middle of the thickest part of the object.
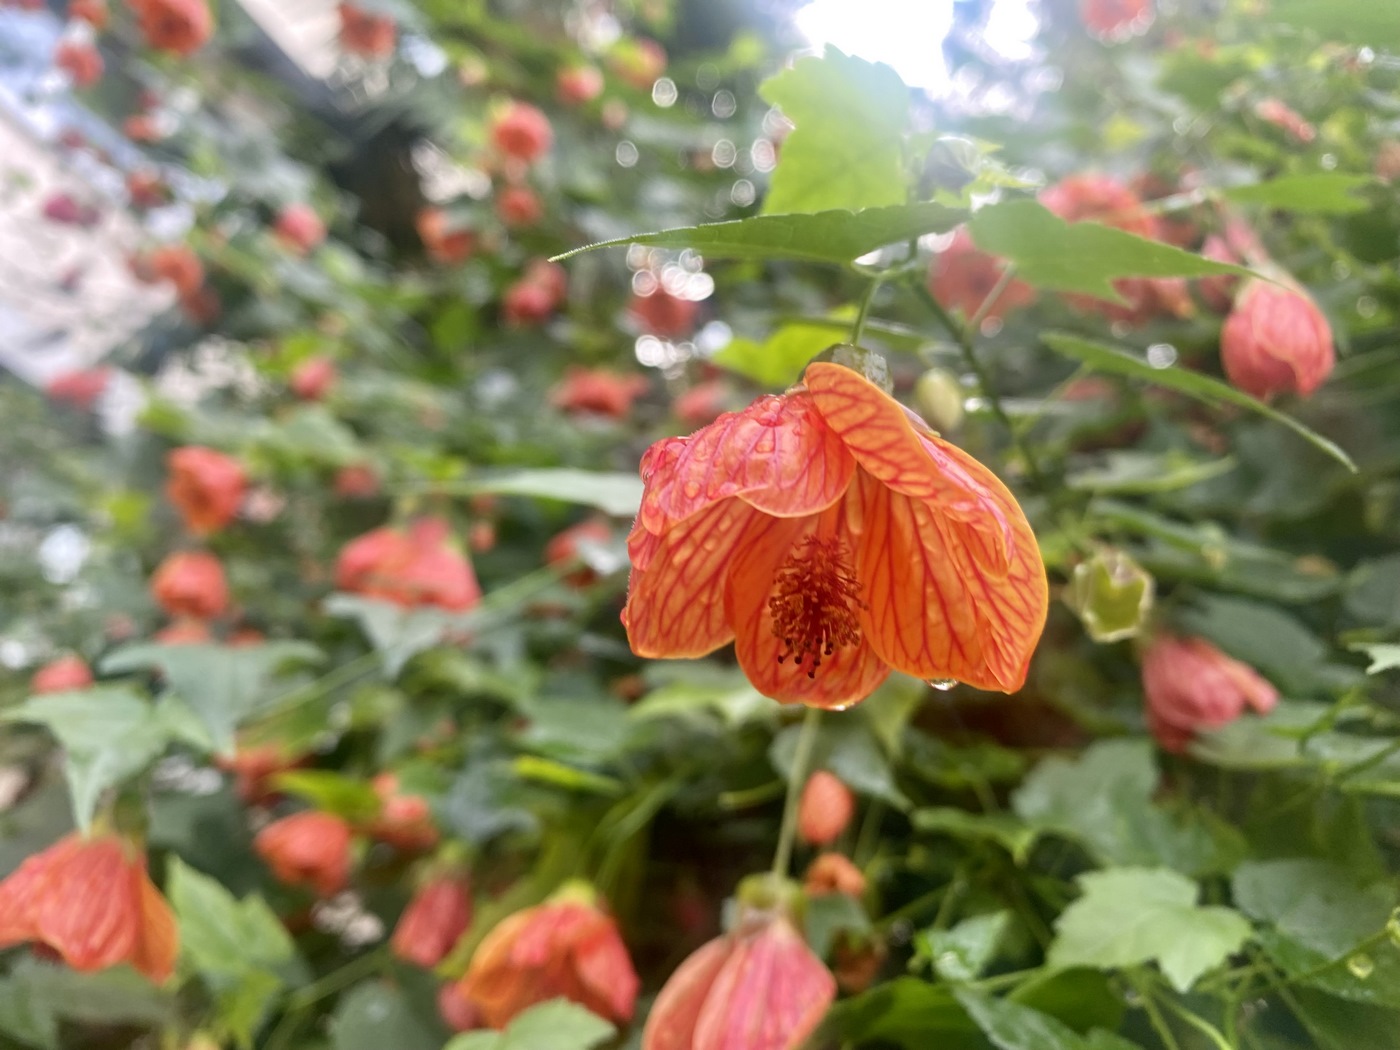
(1154, 1016)
(974, 323)
(984, 381)
(1199, 1023)
(863, 311)
(797, 780)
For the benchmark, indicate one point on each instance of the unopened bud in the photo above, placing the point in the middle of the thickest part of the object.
(939, 397)
(1111, 594)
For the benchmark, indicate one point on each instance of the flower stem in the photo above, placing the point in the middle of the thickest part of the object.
(797, 779)
(964, 340)
(863, 311)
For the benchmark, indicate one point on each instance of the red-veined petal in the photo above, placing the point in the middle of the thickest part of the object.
(675, 596)
(847, 676)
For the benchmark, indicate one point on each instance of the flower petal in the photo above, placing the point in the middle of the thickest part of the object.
(846, 677)
(675, 596)
(778, 454)
(933, 609)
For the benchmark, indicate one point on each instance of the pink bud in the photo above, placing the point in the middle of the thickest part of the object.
(1191, 685)
(1276, 340)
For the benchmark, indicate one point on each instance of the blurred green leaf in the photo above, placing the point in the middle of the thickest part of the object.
(1384, 657)
(554, 1025)
(836, 237)
(398, 634)
(1079, 256)
(1012, 1026)
(378, 1016)
(779, 360)
(615, 494)
(847, 149)
(1103, 358)
(223, 684)
(850, 750)
(1129, 916)
(1316, 193)
(907, 1012)
(350, 797)
(1373, 592)
(1353, 21)
(965, 950)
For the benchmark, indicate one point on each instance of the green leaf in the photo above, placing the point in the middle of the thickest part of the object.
(398, 634)
(1103, 358)
(908, 1012)
(835, 237)
(377, 1016)
(35, 996)
(1005, 830)
(1082, 257)
(850, 750)
(617, 494)
(847, 147)
(1373, 592)
(777, 361)
(1013, 1026)
(1354, 21)
(732, 698)
(108, 733)
(1383, 657)
(964, 951)
(350, 797)
(1316, 193)
(223, 684)
(555, 1025)
(1263, 636)
(1129, 916)
(827, 916)
(237, 947)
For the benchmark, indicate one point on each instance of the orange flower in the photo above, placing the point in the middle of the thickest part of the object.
(190, 583)
(181, 27)
(366, 34)
(833, 873)
(598, 391)
(577, 85)
(563, 550)
(962, 276)
(90, 900)
(702, 403)
(826, 808)
(174, 263)
(404, 821)
(565, 947)
(417, 566)
(531, 300)
(79, 388)
(522, 131)
(663, 314)
(439, 913)
(1113, 21)
(59, 676)
(446, 241)
(299, 228)
(1191, 685)
(81, 61)
(833, 536)
(184, 632)
(1276, 341)
(757, 988)
(254, 767)
(309, 848)
(312, 378)
(93, 12)
(206, 486)
(518, 206)
(1276, 112)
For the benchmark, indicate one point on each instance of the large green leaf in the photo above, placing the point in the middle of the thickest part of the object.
(108, 733)
(1099, 357)
(847, 148)
(1129, 916)
(378, 1016)
(555, 1025)
(836, 237)
(616, 494)
(223, 684)
(1362, 22)
(778, 360)
(1079, 256)
(1012, 1026)
(963, 951)
(906, 1012)
(1316, 193)
(237, 947)
(35, 996)
(397, 633)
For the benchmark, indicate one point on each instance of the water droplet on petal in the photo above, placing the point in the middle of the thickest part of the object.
(942, 684)
(1361, 966)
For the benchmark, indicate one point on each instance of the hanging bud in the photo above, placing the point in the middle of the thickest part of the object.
(1111, 594)
(1191, 685)
(939, 397)
(310, 848)
(758, 987)
(438, 915)
(826, 808)
(833, 873)
(1276, 340)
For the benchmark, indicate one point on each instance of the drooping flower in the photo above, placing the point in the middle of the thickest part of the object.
(962, 276)
(534, 298)
(446, 241)
(81, 61)
(1275, 340)
(313, 378)
(181, 27)
(356, 481)
(578, 85)
(564, 947)
(518, 206)
(661, 313)
(419, 565)
(522, 131)
(435, 918)
(1276, 112)
(832, 537)
(79, 388)
(365, 33)
(173, 263)
(1191, 685)
(833, 873)
(307, 849)
(404, 820)
(702, 403)
(206, 487)
(93, 12)
(1113, 21)
(91, 901)
(190, 583)
(1101, 199)
(758, 987)
(69, 671)
(299, 228)
(253, 768)
(825, 809)
(456, 1011)
(598, 391)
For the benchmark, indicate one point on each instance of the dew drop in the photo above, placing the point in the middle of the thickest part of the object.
(1361, 966)
(942, 684)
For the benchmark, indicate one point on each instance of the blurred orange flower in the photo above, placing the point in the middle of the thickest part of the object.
(60, 675)
(962, 276)
(833, 536)
(367, 34)
(419, 565)
(190, 583)
(181, 27)
(1191, 685)
(438, 914)
(598, 391)
(206, 487)
(91, 901)
(310, 848)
